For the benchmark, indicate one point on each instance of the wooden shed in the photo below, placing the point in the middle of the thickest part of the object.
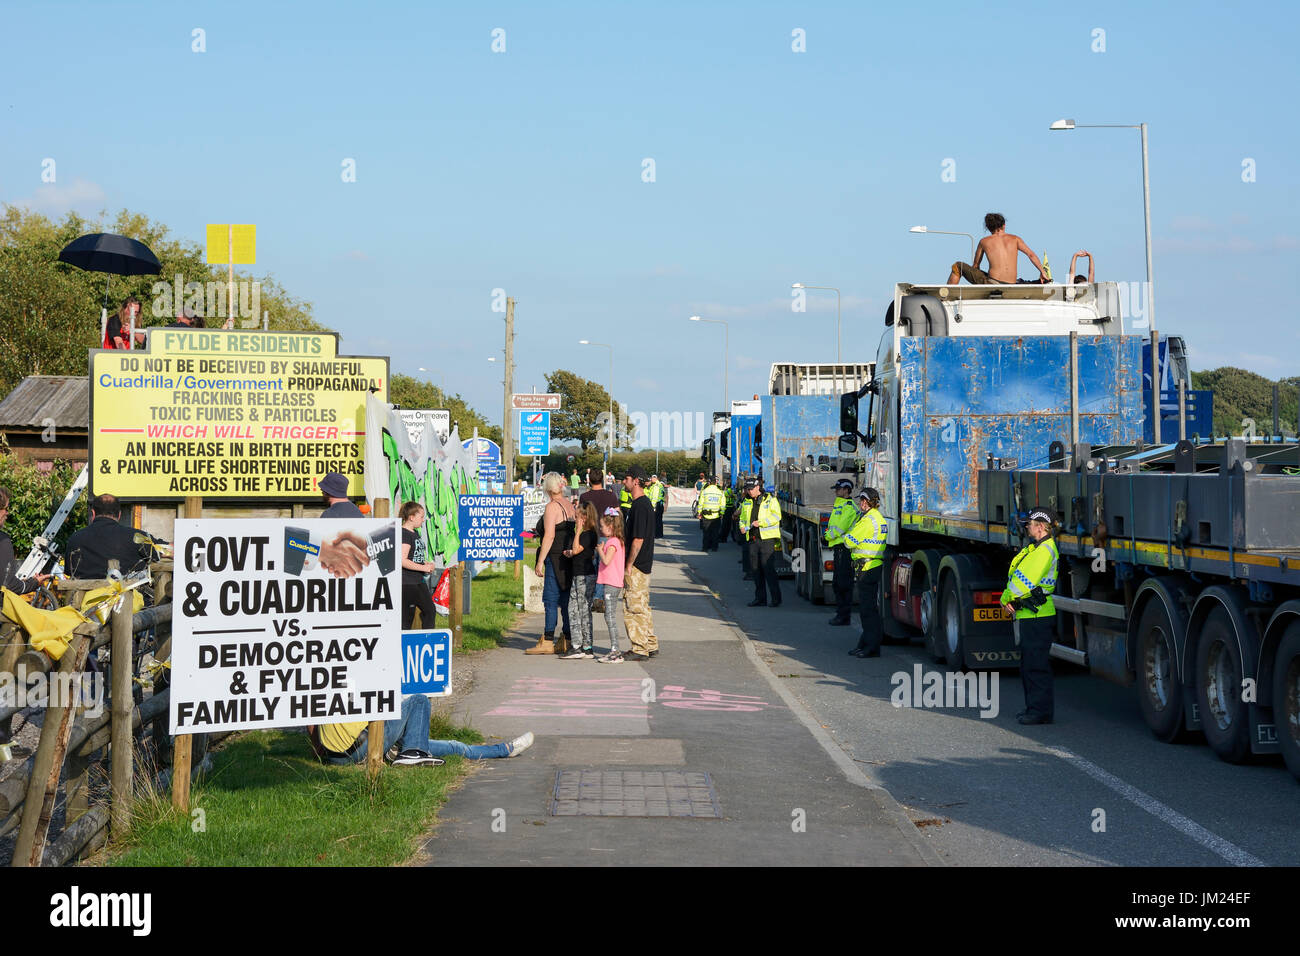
(47, 418)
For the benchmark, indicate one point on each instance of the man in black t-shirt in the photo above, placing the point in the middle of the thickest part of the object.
(639, 543)
(600, 497)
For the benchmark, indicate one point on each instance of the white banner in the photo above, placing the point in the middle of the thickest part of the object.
(431, 471)
(285, 622)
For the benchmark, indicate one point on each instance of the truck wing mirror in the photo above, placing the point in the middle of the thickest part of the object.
(848, 443)
(849, 413)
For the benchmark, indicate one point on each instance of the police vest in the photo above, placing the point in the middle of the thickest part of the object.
(843, 517)
(743, 513)
(1034, 566)
(769, 518)
(866, 539)
(711, 501)
(625, 499)
(655, 493)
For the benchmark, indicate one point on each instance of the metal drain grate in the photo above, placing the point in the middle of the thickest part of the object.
(634, 793)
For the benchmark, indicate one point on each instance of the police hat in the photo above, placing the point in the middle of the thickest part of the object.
(871, 494)
(751, 483)
(845, 484)
(1038, 514)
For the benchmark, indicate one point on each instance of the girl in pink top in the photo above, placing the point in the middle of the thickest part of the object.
(610, 554)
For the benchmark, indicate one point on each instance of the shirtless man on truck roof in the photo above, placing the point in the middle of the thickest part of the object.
(1003, 250)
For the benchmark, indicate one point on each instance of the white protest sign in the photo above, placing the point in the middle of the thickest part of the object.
(285, 622)
(416, 420)
(534, 504)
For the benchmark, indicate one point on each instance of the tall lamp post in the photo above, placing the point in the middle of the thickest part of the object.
(1069, 124)
(838, 354)
(609, 426)
(726, 348)
(926, 230)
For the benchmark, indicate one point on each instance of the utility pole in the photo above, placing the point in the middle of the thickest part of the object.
(507, 431)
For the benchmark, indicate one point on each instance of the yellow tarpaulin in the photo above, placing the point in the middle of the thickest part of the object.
(47, 630)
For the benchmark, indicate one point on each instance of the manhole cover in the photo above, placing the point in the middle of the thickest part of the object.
(634, 793)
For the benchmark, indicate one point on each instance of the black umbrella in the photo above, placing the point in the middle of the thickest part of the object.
(111, 254)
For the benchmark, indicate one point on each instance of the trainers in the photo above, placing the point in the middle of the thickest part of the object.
(613, 657)
(520, 744)
(417, 758)
(576, 654)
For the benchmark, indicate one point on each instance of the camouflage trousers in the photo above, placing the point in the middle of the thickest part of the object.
(636, 598)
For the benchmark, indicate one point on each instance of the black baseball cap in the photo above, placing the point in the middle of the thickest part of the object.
(637, 472)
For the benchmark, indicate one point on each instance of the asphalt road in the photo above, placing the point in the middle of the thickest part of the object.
(1094, 788)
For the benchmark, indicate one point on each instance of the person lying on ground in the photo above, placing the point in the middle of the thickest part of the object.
(408, 736)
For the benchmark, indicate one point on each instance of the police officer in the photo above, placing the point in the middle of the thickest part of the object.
(1030, 583)
(743, 512)
(866, 542)
(712, 502)
(844, 515)
(764, 543)
(659, 499)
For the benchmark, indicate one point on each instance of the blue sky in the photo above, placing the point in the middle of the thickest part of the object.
(522, 170)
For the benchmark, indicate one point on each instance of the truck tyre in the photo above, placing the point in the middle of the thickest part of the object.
(932, 625)
(1286, 697)
(816, 590)
(1160, 692)
(951, 638)
(1224, 716)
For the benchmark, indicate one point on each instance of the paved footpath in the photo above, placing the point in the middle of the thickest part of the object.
(697, 757)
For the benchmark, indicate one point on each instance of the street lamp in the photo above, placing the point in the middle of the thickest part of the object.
(609, 426)
(827, 288)
(925, 230)
(1069, 124)
(726, 348)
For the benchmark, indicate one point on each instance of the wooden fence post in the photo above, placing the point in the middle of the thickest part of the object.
(375, 732)
(121, 702)
(455, 604)
(38, 805)
(181, 744)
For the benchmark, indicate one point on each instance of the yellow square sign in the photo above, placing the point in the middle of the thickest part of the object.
(219, 236)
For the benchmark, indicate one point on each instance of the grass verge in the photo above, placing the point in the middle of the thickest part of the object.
(269, 802)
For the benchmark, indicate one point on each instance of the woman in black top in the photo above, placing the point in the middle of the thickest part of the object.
(553, 566)
(415, 591)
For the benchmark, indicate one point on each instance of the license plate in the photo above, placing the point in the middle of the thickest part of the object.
(992, 614)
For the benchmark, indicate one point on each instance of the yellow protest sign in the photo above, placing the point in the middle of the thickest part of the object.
(219, 236)
(229, 414)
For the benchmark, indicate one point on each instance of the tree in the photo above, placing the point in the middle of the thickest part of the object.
(410, 392)
(1239, 394)
(51, 311)
(584, 410)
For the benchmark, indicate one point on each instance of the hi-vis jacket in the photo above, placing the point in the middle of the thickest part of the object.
(655, 491)
(1034, 566)
(768, 518)
(625, 499)
(743, 516)
(843, 517)
(711, 501)
(866, 539)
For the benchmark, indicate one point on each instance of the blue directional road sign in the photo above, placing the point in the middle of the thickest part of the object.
(489, 459)
(534, 433)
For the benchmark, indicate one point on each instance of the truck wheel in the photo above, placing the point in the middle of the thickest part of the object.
(1218, 689)
(954, 648)
(1160, 692)
(816, 590)
(1286, 697)
(931, 627)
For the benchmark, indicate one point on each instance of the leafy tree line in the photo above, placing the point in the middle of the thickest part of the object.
(51, 310)
(1239, 394)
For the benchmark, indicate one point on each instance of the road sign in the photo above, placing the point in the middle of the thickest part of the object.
(489, 458)
(528, 400)
(534, 433)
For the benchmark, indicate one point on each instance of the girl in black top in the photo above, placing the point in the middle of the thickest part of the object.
(415, 590)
